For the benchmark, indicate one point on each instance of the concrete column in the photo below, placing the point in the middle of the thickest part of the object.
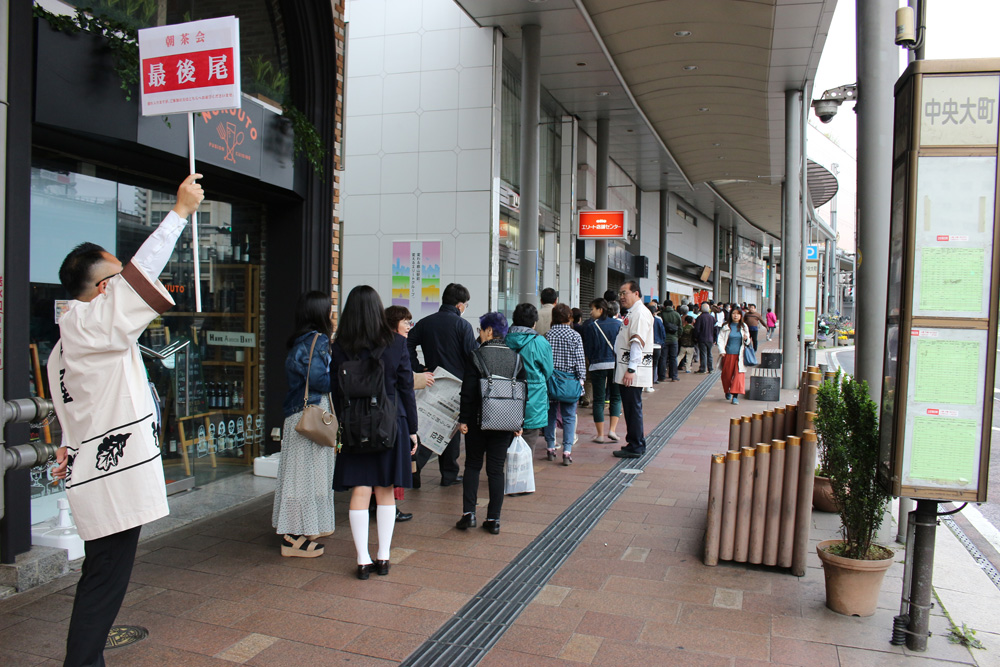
(601, 247)
(878, 68)
(791, 242)
(716, 247)
(531, 91)
(772, 299)
(733, 261)
(664, 218)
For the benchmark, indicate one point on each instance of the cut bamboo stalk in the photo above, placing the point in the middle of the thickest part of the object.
(772, 520)
(713, 527)
(744, 432)
(811, 397)
(730, 495)
(803, 508)
(758, 513)
(789, 498)
(809, 422)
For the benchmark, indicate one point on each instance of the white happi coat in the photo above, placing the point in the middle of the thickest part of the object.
(636, 326)
(109, 421)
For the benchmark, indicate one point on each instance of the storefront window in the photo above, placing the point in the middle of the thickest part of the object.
(210, 378)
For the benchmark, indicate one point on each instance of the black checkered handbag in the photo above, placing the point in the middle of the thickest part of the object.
(502, 388)
(503, 403)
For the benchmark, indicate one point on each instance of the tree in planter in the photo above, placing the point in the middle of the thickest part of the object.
(847, 424)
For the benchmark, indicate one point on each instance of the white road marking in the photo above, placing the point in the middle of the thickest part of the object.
(989, 532)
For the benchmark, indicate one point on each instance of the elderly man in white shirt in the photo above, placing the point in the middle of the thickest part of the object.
(110, 453)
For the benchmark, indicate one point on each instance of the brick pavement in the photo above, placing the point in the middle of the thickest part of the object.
(217, 592)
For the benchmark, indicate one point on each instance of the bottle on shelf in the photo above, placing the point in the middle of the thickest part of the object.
(227, 397)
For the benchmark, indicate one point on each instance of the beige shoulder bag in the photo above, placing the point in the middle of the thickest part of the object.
(317, 424)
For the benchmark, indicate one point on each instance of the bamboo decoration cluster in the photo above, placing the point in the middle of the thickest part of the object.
(760, 490)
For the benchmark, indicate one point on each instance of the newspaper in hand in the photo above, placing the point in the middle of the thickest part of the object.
(437, 410)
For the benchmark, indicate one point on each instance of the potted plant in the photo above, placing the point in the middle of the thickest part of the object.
(847, 426)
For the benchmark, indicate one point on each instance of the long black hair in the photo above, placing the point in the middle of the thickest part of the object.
(362, 323)
(312, 313)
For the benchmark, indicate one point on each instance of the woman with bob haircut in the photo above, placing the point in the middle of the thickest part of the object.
(363, 329)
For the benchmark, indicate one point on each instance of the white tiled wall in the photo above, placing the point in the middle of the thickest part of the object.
(419, 142)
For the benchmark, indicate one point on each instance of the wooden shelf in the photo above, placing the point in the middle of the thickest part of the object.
(241, 364)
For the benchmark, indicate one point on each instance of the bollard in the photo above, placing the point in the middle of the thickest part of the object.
(811, 397)
(744, 432)
(730, 494)
(779, 423)
(744, 505)
(803, 507)
(713, 527)
(734, 434)
(809, 422)
(758, 512)
(756, 427)
(791, 421)
(767, 426)
(772, 519)
(789, 498)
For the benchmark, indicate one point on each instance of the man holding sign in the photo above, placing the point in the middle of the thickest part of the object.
(110, 453)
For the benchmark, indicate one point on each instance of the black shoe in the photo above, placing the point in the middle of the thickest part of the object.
(364, 571)
(402, 516)
(626, 454)
(467, 521)
(492, 526)
(416, 480)
(457, 480)
(381, 568)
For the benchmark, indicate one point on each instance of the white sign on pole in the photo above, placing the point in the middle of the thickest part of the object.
(186, 68)
(190, 67)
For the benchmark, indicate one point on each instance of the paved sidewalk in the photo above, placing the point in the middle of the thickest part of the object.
(217, 592)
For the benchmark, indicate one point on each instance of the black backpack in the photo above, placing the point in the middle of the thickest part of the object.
(368, 417)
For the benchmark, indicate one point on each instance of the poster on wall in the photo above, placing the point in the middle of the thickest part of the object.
(416, 276)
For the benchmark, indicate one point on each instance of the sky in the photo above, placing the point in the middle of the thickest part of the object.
(955, 29)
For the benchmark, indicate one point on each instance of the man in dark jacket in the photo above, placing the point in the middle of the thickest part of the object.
(446, 341)
(704, 336)
(672, 323)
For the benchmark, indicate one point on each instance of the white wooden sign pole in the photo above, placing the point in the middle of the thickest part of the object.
(194, 222)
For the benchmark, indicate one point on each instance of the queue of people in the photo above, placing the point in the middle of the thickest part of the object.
(515, 382)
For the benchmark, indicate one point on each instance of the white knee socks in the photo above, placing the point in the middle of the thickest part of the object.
(359, 530)
(385, 521)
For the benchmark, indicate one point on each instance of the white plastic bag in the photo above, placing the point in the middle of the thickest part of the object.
(520, 471)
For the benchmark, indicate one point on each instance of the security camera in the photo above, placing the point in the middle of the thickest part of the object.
(826, 109)
(827, 106)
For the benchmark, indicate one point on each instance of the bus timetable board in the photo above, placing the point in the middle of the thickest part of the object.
(944, 274)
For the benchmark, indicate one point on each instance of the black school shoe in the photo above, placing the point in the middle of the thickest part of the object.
(492, 526)
(467, 521)
(403, 516)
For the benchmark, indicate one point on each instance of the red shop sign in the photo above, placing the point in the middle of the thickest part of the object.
(603, 225)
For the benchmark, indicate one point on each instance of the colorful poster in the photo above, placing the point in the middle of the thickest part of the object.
(416, 276)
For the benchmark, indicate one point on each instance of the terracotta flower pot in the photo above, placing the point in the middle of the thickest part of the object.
(823, 499)
(852, 585)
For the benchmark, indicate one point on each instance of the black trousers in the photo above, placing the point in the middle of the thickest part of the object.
(705, 354)
(447, 460)
(668, 362)
(753, 336)
(632, 411)
(107, 567)
(493, 446)
(657, 361)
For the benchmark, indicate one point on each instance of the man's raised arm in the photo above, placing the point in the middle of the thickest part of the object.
(154, 254)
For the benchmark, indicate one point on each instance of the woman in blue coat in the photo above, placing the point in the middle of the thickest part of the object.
(536, 353)
(598, 345)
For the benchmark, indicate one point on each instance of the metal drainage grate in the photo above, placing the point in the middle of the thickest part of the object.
(476, 627)
(982, 561)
